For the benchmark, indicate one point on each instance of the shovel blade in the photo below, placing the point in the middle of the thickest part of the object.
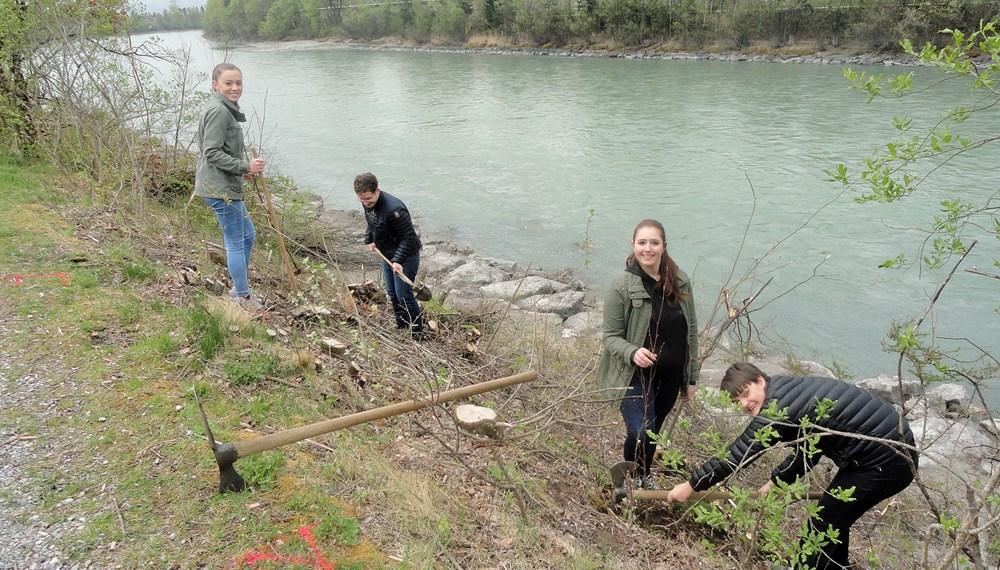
(622, 472)
(422, 293)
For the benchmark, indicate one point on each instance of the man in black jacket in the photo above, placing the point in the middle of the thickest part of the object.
(879, 464)
(391, 232)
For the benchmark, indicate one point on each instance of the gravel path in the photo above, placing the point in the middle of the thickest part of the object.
(28, 537)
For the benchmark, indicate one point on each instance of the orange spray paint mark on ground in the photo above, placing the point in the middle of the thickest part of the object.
(252, 557)
(19, 279)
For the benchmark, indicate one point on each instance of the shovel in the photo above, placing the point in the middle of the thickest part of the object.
(420, 291)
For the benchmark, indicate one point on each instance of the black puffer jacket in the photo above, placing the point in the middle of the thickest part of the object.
(856, 411)
(390, 228)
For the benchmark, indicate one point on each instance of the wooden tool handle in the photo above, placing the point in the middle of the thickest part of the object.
(286, 259)
(252, 446)
(650, 495)
(401, 276)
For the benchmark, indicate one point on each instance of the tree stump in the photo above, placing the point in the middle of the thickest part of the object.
(479, 421)
(367, 292)
(216, 254)
(333, 346)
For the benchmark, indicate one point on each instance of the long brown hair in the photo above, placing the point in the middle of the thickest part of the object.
(667, 270)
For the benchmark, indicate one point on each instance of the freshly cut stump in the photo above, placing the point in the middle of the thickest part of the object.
(480, 421)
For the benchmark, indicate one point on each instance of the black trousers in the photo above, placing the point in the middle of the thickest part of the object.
(872, 486)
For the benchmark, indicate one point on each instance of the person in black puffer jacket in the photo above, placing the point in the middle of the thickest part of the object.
(391, 231)
(878, 465)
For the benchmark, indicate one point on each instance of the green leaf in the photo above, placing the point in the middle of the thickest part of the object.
(897, 261)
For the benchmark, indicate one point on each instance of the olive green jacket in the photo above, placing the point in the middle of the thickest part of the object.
(627, 311)
(221, 166)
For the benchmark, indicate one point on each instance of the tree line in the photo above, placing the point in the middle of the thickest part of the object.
(170, 19)
(871, 25)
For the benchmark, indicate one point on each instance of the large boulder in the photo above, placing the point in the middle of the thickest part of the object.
(582, 323)
(565, 303)
(472, 301)
(941, 394)
(336, 235)
(472, 275)
(990, 428)
(527, 287)
(887, 388)
(943, 441)
(777, 365)
(466, 251)
(439, 262)
(505, 265)
(531, 325)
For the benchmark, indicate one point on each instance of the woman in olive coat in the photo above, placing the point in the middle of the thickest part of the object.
(650, 355)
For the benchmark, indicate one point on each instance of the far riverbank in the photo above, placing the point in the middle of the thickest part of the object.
(788, 55)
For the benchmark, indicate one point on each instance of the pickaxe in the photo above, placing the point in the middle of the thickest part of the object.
(623, 471)
(226, 454)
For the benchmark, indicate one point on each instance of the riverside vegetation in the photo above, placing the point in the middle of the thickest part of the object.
(112, 305)
(786, 26)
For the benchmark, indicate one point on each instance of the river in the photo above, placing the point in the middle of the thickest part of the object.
(530, 157)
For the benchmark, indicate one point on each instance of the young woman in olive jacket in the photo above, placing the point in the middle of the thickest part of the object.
(650, 352)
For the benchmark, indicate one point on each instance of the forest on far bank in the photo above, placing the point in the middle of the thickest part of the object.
(173, 18)
(863, 25)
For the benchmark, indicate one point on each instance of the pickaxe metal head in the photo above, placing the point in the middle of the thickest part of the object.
(225, 456)
(230, 481)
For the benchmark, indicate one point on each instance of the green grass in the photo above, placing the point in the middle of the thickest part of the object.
(209, 331)
(21, 183)
(133, 267)
(127, 355)
(258, 367)
(261, 471)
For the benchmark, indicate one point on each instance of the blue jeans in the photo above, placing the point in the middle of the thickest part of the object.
(645, 406)
(404, 304)
(238, 235)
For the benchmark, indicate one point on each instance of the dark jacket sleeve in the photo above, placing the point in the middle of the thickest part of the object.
(797, 464)
(370, 230)
(401, 226)
(744, 450)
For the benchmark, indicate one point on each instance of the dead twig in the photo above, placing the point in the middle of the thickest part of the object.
(121, 519)
(18, 438)
(982, 273)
